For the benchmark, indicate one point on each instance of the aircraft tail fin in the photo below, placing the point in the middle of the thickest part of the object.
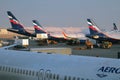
(93, 27)
(65, 35)
(114, 27)
(38, 28)
(15, 22)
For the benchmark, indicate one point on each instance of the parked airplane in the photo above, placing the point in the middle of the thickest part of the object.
(98, 35)
(23, 65)
(17, 27)
(39, 29)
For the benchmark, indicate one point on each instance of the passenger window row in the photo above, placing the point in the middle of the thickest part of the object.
(48, 76)
(53, 76)
(75, 78)
(18, 71)
(35, 73)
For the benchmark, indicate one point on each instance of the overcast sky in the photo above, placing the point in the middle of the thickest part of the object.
(61, 13)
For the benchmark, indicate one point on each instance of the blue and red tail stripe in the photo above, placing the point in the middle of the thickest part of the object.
(14, 22)
(93, 29)
(38, 28)
(17, 27)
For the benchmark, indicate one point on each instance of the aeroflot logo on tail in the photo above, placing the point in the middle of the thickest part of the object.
(104, 69)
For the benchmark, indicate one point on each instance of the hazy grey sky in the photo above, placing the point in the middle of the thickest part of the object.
(61, 13)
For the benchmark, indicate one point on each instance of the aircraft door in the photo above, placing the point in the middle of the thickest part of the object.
(44, 74)
(41, 74)
(47, 75)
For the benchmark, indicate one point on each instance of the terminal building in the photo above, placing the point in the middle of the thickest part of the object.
(4, 34)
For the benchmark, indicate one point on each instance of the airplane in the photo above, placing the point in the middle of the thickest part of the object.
(24, 65)
(17, 27)
(39, 29)
(99, 36)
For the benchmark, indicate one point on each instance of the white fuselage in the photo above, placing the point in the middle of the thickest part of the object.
(113, 34)
(21, 65)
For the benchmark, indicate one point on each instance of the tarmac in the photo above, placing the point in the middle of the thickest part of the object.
(113, 52)
(80, 50)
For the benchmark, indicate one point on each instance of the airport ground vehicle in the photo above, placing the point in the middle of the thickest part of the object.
(106, 44)
(89, 44)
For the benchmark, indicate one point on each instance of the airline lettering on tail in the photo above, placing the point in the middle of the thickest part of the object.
(110, 70)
